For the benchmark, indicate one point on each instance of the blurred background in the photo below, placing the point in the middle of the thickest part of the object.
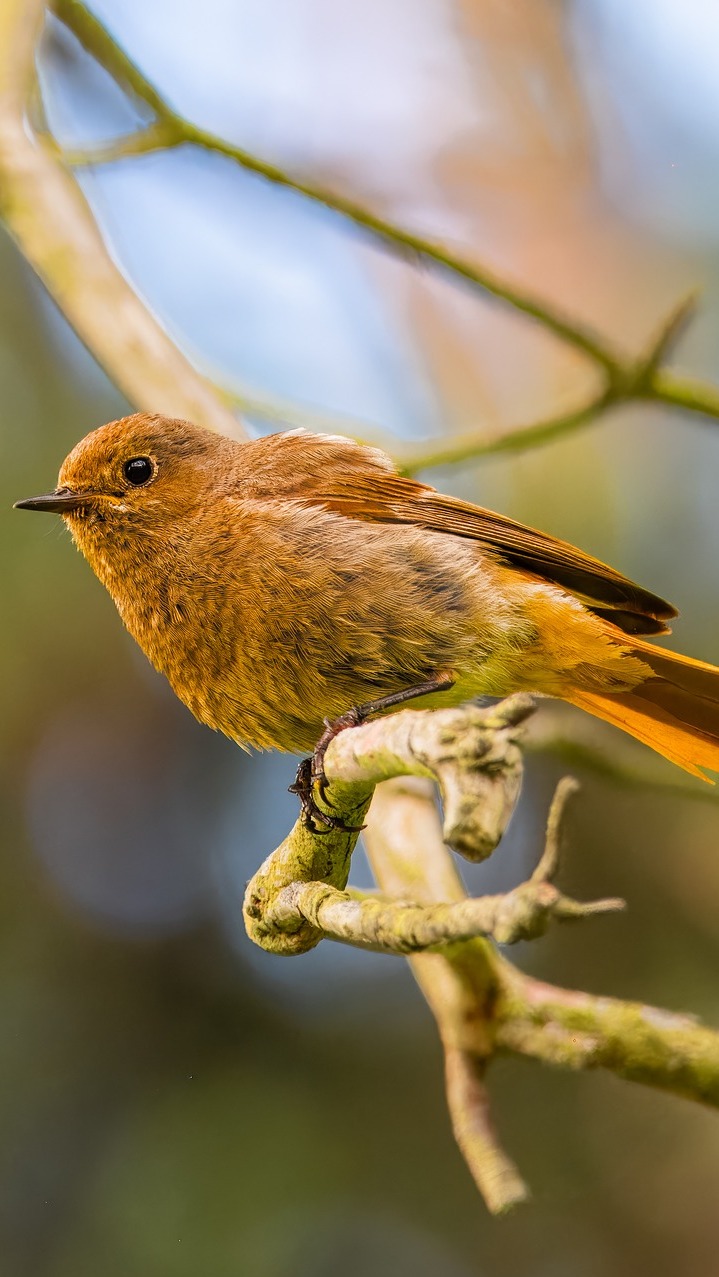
(174, 1102)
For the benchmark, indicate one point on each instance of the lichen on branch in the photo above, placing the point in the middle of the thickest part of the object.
(484, 1005)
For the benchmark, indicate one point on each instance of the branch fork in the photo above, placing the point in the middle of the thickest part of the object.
(470, 753)
(387, 772)
(298, 896)
(385, 925)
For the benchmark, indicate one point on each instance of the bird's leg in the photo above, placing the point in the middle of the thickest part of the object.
(311, 771)
(361, 713)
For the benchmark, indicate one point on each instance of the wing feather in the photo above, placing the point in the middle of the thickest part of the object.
(360, 483)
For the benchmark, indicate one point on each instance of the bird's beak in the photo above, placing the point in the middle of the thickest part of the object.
(61, 501)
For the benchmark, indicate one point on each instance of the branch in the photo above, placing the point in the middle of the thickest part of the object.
(389, 926)
(483, 1004)
(683, 392)
(476, 445)
(640, 1043)
(54, 227)
(633, 381)
(404, 844)
(622, 380)
(472, 755)
(96, 40)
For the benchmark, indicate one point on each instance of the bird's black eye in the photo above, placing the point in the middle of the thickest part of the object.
(138, 470)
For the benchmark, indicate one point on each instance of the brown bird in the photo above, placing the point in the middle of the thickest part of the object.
(282, 582)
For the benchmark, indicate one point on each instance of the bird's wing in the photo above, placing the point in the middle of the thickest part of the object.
(361, 483)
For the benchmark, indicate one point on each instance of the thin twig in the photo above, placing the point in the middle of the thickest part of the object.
(495, 1174)
(404, 845)
(96, 39)
(637, 381)
(683, 392)
(480, 444)
(548, 865)
(623, 380)
(668, 337)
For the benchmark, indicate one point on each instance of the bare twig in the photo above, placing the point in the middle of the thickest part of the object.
(392, 926)
(404, 845)
(97, 40)
(622, 380)
(480, 444)
(494, 1173)
(632, 382)
(549, 864)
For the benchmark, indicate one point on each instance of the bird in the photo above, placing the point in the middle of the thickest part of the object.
(292, 585)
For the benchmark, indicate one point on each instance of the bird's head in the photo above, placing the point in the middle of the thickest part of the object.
(141, 472)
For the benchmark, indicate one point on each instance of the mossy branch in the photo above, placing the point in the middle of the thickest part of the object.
(641, 1043)
(472, 755)
(375, 922)
(483, 1004)
(390, 926)
(622, 379)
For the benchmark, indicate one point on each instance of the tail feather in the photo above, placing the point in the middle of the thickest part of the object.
(675, 711)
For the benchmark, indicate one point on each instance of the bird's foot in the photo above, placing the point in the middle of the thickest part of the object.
(310, 774)
(311, 771)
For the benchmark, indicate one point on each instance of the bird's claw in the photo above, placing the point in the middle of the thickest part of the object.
(311, 776)
(313, 818)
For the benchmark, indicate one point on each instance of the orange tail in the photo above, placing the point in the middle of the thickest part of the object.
(676, 711)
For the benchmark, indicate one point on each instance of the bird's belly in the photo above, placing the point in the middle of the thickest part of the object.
(279, 700)
(268, 660)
